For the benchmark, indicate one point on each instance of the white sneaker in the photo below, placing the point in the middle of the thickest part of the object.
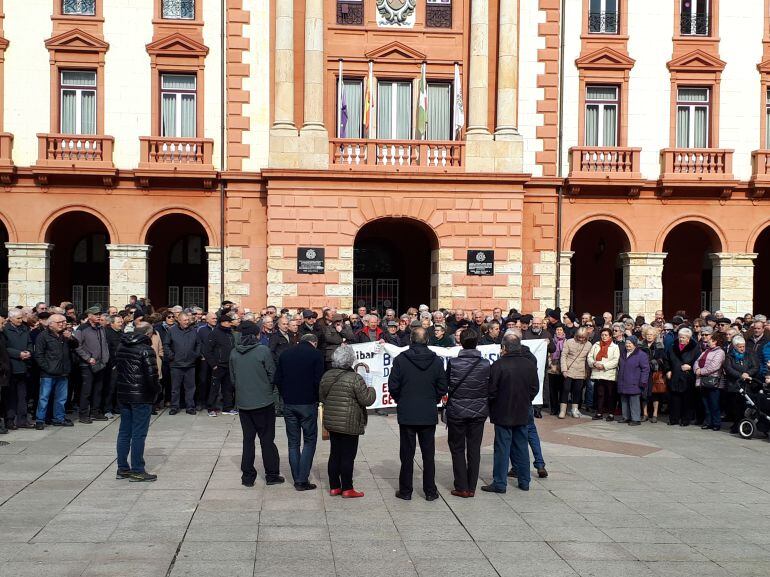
(212, 413)
(576, 414)
(230, 412)
(109, 415)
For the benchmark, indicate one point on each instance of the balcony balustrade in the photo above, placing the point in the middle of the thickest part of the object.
(397, 155)
(697, 168)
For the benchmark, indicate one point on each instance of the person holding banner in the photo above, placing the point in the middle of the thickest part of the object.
(417, 383)
(345, 396)
(514, 384)
(467, 410)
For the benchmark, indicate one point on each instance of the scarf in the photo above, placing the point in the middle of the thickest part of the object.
(559, 343)
(603, 350)
(703, 357)
(736, 355)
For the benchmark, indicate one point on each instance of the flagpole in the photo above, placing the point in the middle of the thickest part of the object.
(371, 99)
(339, 98)
(425, 87)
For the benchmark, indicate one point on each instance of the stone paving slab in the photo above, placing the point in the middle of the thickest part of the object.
(647, 502)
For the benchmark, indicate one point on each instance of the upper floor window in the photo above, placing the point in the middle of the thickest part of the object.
(439, 111)
(603, 17)
(352, 109)
(79, 7)
(178, 105)
(394, 110)
(601, 116)
(695, 18)
(438, 13)
(179, 9)
(350, 12)
(692, 117)
(78, 102)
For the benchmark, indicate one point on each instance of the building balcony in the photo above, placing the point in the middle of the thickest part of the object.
(397, 155)
(187, 158)
(604, 166)
(760, 173)
(697, 168)
(7, 169)
(74, 154)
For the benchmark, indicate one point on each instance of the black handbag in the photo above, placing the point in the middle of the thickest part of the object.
(710, 381)
(449, 394)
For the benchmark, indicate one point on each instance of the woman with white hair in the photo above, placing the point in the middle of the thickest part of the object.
(741, 365)
(679, 362)
(345, 396)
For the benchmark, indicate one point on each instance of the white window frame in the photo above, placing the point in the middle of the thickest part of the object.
(602, 105)
(692, 106)
(178, 93)
(83, 4)
(79, 90)
(394, 107)
(693, 25)
(603, 28)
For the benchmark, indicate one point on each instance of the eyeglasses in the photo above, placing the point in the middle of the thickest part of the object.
(588, 326)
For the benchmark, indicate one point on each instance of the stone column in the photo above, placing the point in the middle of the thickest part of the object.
(314, 65)
(507, 70)
(478, 82)
(128, 272)
(284, 65)
(214, 259)
(29, 273)
(733, 282)
(642, 282)
(565, 280)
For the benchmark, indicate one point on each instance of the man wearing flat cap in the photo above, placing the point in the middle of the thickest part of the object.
(93, 354)
(335, 332)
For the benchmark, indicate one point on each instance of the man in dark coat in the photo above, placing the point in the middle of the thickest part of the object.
(417, 383)
(114, 333)
(52, 355)
(136, 368)
(19, 345)
(93, 354)
(298, 374)
(203, 374)
(5, 374)
(181, 348)
(335, 332)
(219, 345)
(513, 386)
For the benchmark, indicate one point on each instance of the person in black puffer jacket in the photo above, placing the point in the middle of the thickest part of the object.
(138, 387)
(467, 410)
(220, 344)
(417, 383)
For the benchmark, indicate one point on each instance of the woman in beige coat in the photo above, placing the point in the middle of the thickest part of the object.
(603, 361)
(574, 368)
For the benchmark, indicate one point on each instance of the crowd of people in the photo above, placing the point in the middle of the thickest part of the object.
(135, 362)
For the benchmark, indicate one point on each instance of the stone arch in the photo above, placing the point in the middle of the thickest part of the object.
(10, 229)
(760, 245)
(43, 234)
(370, 209)
(213, 239)
(758, 231)
(570, 236)
(712, 229)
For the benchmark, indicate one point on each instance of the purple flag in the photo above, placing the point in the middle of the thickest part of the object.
(344, 116)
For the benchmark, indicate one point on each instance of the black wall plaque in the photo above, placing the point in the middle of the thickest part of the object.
(310, 260)
(481, 263)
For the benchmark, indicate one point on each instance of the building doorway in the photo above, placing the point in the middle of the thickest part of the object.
(687, 270)
(392, 265)
(178, 264)
(80, 265)
(596, 271)
(3, 267)
(762, 274)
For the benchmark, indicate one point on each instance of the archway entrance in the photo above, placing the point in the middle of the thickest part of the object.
(3, 267)
(596, 271)
(178, 263)
(687, 270)
(762, 273)
(392, 265)
(80, 269)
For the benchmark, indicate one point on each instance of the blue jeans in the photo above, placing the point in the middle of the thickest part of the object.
(589, 394)
(534, 444)
(57, 386)
(134, 422)
(301, 429)
(510, 442)
(713, 416)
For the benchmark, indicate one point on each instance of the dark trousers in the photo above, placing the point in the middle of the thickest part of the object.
(573, 387)
(426, 436)
(203, 376)
(712, 413)
(134, 423)
(555, 383)
(342, 455)
(259, 423)
(15, 396)
(605, 397)
(109, 401)
(220, 382)
(183, 377)
(464, 439)
(301, 430)
(679, 407)
(736, 406)
(166, 383)
(91, 390)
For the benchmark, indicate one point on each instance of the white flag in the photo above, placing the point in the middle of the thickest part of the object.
(459, 111)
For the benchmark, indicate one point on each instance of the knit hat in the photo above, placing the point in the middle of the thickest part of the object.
(571, 316)
(632, 339)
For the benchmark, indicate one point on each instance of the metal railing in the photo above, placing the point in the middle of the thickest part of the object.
(695, 24)
(603, 22)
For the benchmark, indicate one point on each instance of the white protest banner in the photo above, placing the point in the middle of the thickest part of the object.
(378, 362)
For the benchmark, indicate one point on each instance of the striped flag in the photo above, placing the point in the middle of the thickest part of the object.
(459, 111)
(422, 107)
(368, 102)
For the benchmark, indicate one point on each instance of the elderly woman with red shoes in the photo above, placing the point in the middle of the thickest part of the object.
(345, 396)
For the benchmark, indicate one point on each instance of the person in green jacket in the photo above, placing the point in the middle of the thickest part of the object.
(251, 370)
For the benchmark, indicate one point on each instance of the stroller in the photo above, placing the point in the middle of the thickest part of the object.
(757, 414)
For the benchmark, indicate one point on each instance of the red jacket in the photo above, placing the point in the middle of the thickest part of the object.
(363, 335)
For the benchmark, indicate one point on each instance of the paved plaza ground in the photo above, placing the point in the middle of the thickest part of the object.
(620, 501)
